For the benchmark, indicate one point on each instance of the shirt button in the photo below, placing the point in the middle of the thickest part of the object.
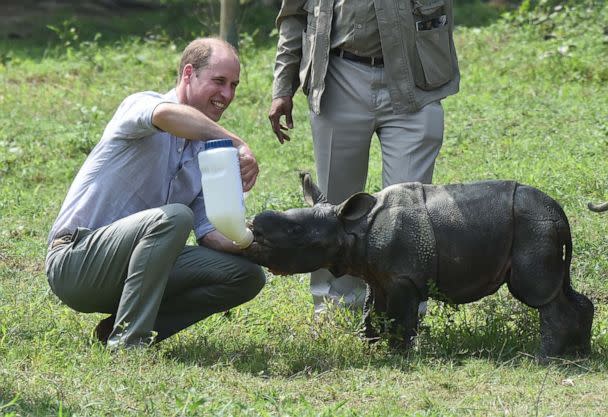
(359, 26)
(179, 150)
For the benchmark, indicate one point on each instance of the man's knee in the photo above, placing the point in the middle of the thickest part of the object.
(252, 281)
(178, 216)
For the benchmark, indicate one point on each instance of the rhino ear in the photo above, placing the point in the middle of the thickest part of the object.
(356, 207)
(312, 194)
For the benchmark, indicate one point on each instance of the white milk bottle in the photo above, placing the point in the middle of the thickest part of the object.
(223, 190)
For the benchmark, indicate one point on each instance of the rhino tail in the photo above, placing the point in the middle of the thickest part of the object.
(598, 207)
(567, 257)
(565, 239)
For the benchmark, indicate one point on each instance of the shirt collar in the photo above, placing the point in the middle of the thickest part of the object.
(171, 96)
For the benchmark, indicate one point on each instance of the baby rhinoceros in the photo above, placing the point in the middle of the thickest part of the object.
(462, 241)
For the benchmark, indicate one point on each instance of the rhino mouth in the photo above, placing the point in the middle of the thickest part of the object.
(258, 238)
(261, 249)
(275, 258)
(260, 243)
(263, 253)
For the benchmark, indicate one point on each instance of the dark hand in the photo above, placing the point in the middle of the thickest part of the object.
(281, 106)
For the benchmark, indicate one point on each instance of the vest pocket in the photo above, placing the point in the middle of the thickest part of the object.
(434, 54)
(433, 50)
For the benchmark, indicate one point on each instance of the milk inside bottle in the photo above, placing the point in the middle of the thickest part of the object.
(223, 190)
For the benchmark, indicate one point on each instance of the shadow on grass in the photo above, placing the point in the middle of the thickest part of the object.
(295, 358)
(11, 404)
(505, 336)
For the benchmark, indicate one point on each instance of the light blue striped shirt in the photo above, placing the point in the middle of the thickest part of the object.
(134, 167)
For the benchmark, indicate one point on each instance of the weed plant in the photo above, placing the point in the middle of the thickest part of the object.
(532, 107)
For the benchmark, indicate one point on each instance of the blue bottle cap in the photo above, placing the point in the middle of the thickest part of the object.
(218, 143)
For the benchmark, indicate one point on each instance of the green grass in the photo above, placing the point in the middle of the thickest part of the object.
(532, 107)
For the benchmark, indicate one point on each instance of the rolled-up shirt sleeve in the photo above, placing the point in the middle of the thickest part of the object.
(202, 225)
(290, 22)
(133, 118)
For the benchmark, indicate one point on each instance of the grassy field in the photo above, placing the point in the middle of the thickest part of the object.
(533, 107)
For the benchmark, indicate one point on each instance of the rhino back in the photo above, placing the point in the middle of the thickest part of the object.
(473, 229)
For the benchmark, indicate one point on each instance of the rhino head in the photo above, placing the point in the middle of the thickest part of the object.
(306, 239)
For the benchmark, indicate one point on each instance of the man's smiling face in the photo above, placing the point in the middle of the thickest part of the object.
(212, 89)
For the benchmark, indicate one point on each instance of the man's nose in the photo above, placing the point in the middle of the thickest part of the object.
(227, 93)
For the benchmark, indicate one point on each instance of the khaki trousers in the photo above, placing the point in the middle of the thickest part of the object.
(355, 105)
(140, 269)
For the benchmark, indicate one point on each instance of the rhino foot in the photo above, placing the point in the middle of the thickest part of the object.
(566, 326)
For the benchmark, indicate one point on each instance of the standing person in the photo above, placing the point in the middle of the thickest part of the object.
(367, 66)
(118, 245)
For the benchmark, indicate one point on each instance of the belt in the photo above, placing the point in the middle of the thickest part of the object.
(367, 60)
(61, 240)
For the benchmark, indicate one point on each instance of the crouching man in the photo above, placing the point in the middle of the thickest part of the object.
(118, 245)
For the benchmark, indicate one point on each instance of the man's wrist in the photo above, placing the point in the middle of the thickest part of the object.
(285, 96)
(281, 94)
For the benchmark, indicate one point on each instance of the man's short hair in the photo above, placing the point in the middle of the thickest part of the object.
(198, 52)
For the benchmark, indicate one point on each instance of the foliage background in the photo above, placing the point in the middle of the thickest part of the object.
(532, 107)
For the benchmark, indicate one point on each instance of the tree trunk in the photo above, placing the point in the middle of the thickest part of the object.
(228, 18)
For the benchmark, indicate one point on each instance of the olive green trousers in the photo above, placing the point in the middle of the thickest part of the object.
(140, 269)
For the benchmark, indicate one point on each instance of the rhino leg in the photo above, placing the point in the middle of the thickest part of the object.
(402, 310)
(540, 274)
(373, 310)
(565, 325)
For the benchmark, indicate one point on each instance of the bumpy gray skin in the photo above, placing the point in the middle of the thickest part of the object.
(461, 242)
(598, 207)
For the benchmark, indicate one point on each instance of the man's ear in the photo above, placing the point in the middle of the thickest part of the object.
(187, 72)
(312, 194)
(356, 207)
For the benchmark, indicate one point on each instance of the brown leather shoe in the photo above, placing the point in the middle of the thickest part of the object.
(104, 328)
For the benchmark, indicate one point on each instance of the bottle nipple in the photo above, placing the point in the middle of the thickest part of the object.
(246, 240)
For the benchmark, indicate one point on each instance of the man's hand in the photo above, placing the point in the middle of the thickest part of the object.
(249, 167)
(216, 240)
(281, 106)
